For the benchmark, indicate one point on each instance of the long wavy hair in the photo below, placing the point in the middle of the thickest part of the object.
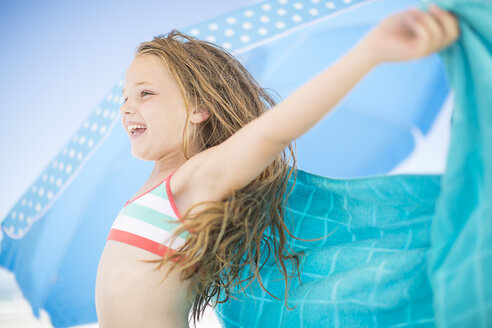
(229, 235)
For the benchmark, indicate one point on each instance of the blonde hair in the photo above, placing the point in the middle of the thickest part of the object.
(228, 236)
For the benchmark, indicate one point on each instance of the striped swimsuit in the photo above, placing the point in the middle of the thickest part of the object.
(147, 222)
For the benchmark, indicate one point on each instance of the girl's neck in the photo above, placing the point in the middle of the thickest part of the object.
(164, 167)
(170, 163)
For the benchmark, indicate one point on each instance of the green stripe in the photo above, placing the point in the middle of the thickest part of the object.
(160, 191)
(151, 216)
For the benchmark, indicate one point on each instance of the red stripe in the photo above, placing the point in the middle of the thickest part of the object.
(170, 195)
(171, 198)
(140, 242)
(157, 185)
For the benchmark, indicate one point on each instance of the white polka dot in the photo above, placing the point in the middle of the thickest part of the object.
(113, 114)
(195, 32)
(37, 207)
(211, 38)
(23, 202)
(120, 82)
(313, 11)
(34, 189)
(347, 1)
(41, 192)
(247, 25)
(98, 110)
(106, 113)
(280, 25)
(213, 27)
(262, 31)
(71, 153)
(117, 99)
(298, 5)
(244, 38)
(227, 45)
(21, 216)
(61, 166)
(52, 178)
(10, 229)
(79, 156)
(82, 140)
(266, 7)
(86, 124)
(49, 195)
(94, 126)
(264, 19)
(68, 169)
(29, 204)
(229, 32)
(29, 219)
(330, 5)
(231, 20)
(45, 177)
(90, 143)
(54, 164)
(58, 182)
(296, 18)
(13, 215)
(315, 1)
(281, 12)
(102, 130)
(109, 97)
(283, 2)
(249, 13)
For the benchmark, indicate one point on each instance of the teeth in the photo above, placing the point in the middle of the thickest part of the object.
(132, 127)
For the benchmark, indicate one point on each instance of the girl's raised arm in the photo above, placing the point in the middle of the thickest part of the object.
(237, 161)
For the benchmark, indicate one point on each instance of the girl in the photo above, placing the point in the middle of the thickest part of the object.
(215, 197)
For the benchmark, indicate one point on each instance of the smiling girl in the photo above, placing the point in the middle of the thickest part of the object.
(219, 144)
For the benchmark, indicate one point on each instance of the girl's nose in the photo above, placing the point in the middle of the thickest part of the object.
(126, 109)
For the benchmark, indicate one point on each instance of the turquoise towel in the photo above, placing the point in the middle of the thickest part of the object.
(405, 250)
(460, 259)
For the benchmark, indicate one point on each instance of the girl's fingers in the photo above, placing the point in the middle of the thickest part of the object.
(449, 23)
(440, 26)
(418, 27)
(438, 19)
(436, 32)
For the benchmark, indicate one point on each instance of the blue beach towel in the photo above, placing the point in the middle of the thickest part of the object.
(404, 250)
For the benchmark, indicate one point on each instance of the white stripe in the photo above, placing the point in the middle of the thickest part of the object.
(146, 230)
(156, 203)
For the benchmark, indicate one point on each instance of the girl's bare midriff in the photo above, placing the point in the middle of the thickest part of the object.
(129, 293)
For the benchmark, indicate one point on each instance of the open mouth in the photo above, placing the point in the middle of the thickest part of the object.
(138, 131)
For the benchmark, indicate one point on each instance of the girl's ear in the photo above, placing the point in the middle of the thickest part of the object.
(199, 114)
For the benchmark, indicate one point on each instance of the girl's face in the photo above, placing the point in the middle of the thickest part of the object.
(153, 99)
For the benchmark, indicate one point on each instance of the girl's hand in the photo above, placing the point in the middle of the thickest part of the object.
(411, 34)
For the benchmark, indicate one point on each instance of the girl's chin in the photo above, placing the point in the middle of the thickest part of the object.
(139, 153)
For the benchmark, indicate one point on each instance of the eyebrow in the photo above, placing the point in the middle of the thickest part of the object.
(138, 83)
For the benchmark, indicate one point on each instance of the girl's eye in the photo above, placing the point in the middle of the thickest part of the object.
(143, 93)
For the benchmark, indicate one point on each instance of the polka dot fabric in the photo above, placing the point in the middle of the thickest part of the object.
(44, 192)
